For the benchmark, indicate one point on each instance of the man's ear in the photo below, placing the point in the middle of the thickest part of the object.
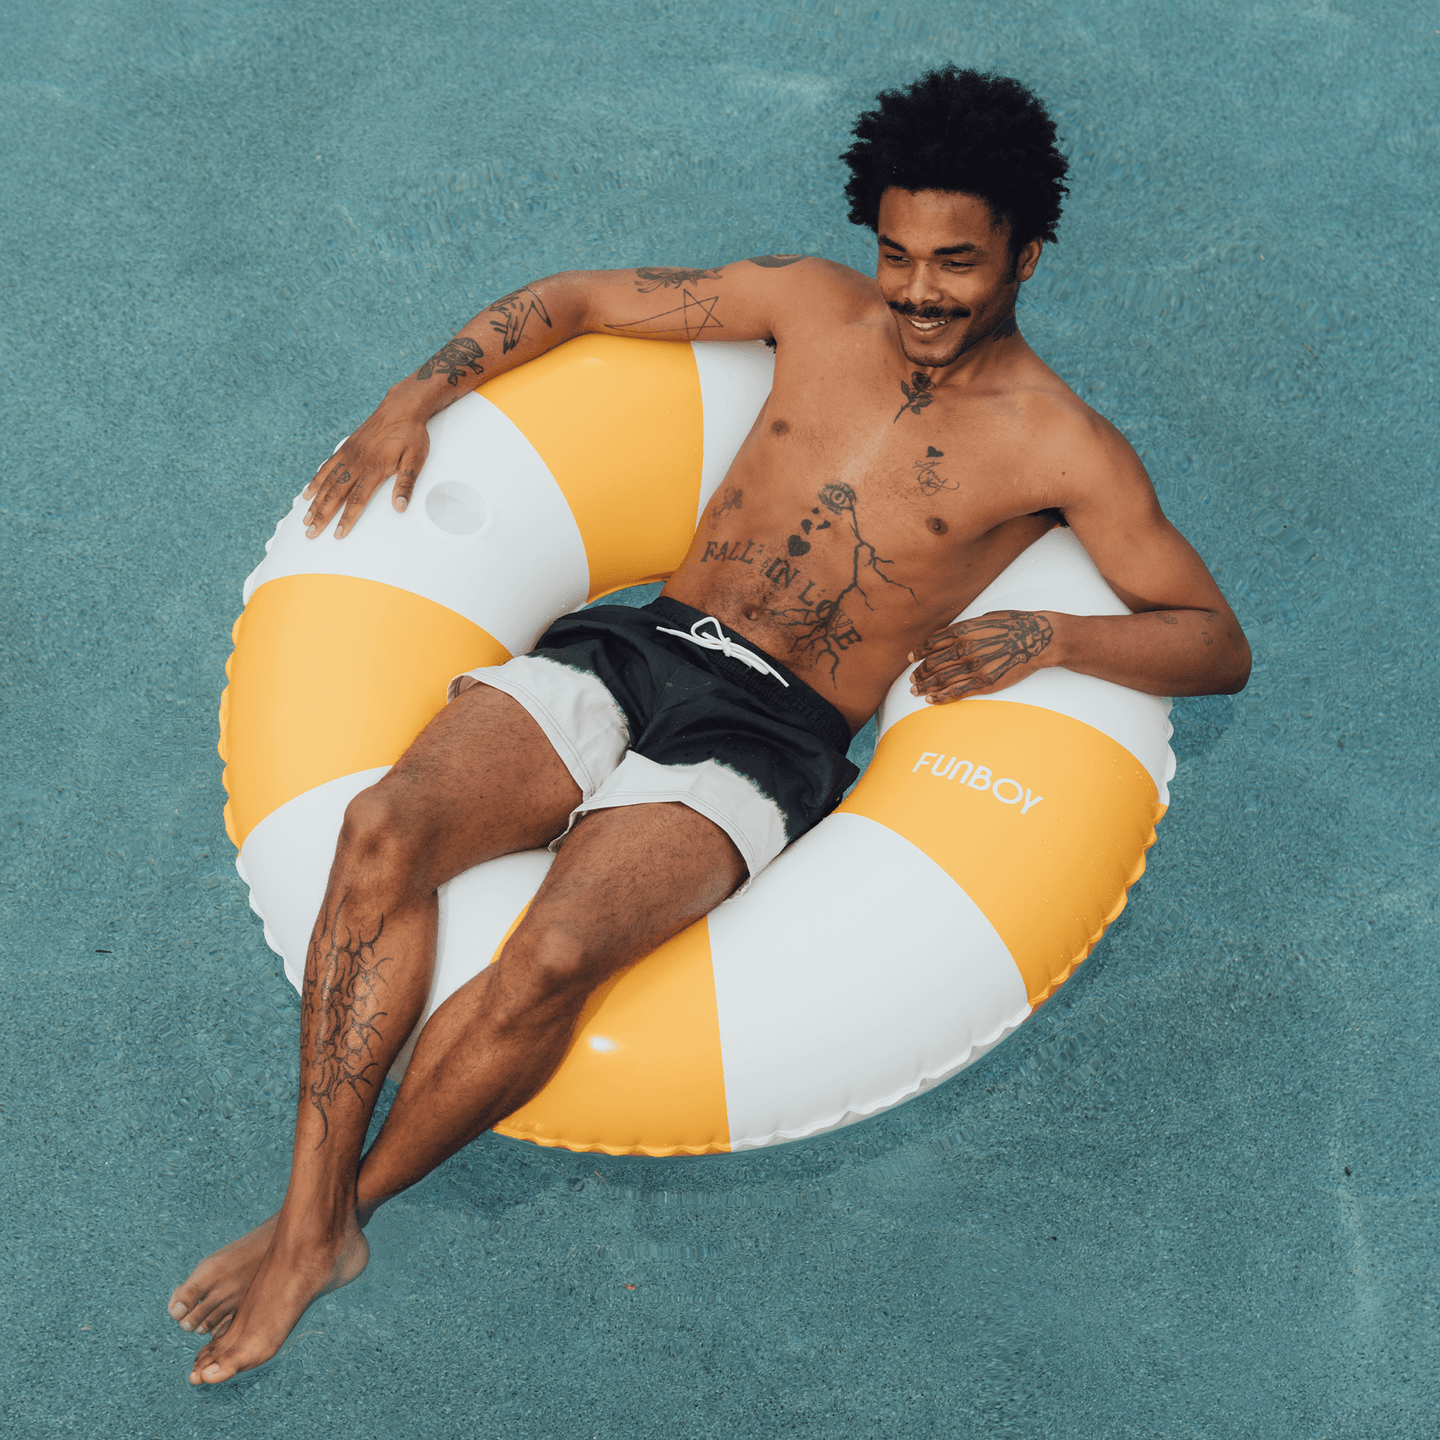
(1027, 260)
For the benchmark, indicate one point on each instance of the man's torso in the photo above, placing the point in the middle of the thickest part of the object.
(866, 509)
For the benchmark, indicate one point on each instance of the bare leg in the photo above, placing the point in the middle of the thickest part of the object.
(480, 781)
(625, 881)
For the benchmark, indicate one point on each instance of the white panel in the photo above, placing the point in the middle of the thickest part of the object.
(1056, 573)
(487, 533)
(735, 382)
(286, 862)
(852, 973)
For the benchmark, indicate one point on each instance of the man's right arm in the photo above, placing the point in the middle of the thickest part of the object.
(743, 301)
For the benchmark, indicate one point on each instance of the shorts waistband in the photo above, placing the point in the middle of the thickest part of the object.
(796, 698)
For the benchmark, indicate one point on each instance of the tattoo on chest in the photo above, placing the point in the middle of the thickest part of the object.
(339, 1018)
(515, 311)
(733, 499)
(658, 277)
(775, 262)
(917, 394)
(930, 479)
(453, 359)
(691, 318)
(826, 631)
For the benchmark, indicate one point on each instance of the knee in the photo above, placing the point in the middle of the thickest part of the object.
(544, 969)
(377, 835)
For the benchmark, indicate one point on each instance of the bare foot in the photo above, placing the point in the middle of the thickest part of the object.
(295, 1270)
(218, 1283)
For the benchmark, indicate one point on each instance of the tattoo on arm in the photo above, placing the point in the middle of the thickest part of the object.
(657, 277)
(515, 310)
(917, 394)
(929, 478)
(339, 1029)
(453, 359)
(776, 262)
(691, 318)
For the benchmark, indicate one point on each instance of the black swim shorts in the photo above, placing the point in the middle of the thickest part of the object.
(664, 703)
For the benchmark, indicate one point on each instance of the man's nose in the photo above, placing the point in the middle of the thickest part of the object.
(923, 285)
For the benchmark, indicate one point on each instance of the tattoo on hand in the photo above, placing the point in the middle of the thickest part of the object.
(930, 479)
(776, 262)
(977, 654)
(691, 318)
(826, 630)
(515, 310)
(658, 277)
(338, 1018)
(917, 394)
(453, 359)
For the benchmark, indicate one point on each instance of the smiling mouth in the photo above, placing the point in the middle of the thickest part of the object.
(926, 324)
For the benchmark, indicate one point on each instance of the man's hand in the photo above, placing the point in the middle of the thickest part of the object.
(980, 656)
(391, 442)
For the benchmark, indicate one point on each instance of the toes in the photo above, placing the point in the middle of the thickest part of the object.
(214, 1323)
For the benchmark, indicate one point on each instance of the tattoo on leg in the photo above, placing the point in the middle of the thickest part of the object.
(658, 277)
(929, 477)
(917, 394)
(338, 1019)
(515, 310)
(827, 631)
(453, 359)
(691, 318)
(776, 262)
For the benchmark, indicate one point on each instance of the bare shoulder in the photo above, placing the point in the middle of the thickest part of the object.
(1084, 458)
(798, 283)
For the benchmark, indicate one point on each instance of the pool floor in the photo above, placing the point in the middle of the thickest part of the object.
(1196, 1195)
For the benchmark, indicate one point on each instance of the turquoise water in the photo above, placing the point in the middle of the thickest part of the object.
(1196, 1196)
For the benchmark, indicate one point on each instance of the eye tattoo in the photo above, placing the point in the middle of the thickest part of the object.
(827, 631)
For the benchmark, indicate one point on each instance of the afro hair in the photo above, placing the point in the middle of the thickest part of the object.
(959, 130)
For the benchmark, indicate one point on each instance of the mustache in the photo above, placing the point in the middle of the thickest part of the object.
(927, 312)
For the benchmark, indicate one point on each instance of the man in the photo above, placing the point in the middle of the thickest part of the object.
(912, 446)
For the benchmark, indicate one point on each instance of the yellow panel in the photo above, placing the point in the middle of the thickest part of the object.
(332, 675)
(644, 1074)
(620, 423)
(1049, 874)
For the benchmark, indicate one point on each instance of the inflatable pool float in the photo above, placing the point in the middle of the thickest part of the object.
(975, 864)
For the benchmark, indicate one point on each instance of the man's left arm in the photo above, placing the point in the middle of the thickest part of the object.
(1183, 639)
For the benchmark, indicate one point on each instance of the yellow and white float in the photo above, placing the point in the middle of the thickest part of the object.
(976, 863)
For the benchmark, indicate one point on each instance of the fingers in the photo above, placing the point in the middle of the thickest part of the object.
(404, 488)
(347, 483)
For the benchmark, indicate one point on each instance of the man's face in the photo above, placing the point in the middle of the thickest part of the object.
(946, 272)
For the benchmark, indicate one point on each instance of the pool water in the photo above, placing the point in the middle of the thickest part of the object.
(1196, 1195)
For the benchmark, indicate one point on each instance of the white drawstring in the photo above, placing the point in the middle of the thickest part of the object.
(725, 645)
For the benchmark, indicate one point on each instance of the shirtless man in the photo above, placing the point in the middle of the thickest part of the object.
(912, 446)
